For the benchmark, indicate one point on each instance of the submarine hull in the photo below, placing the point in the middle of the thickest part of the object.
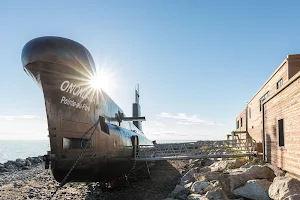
(63, 69)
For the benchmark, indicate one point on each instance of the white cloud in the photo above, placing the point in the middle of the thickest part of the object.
(184, 123)
(157, 123)
(183, 119)
(10, 117)
(184, 127)
(221, 124)
(153, 133)
(166, 133)
(174, 134)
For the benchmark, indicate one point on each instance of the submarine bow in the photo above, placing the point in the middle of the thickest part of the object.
(63, 70)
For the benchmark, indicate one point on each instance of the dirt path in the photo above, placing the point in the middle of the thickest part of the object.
(38, 184)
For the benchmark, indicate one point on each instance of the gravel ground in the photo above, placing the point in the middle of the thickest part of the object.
(38, 183)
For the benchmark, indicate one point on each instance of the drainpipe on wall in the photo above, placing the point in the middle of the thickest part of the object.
(247, 118)
(263, 132)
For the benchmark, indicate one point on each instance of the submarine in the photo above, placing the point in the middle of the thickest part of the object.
(90, 136)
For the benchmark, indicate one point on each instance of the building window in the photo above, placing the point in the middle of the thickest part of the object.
(279, 83)
(261, 100)
(237, 124)
(281, 132)
(249, 113)
(241, 122)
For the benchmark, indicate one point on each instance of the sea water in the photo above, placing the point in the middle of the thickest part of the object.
(14, 149)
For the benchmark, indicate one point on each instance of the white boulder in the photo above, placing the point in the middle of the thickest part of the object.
(254, 189)
(283, 187)
(226, 164)
(196, 197)
(277, 171)
(261, 172)
(293, 197)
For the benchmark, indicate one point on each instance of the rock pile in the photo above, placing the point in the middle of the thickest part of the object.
(234, 179)
(20, 164)
(39, 183)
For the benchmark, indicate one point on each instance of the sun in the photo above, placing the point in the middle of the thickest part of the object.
(101, 81)
(104, 79)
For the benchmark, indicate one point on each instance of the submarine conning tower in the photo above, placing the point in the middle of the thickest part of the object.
(136, 109)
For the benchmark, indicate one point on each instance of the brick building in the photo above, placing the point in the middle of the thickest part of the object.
(272, 116)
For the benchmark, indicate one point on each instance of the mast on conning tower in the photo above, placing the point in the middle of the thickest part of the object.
(137, 94)
(136, 108)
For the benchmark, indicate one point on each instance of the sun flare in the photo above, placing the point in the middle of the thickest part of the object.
(102, 80)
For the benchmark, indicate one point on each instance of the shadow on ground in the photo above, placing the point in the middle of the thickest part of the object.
(164, 177)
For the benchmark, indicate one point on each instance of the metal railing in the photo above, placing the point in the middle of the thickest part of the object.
(235, 147)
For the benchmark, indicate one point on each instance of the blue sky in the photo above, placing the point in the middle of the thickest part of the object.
(197, 62)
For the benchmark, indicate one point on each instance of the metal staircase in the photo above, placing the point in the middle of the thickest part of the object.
(232, 147)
